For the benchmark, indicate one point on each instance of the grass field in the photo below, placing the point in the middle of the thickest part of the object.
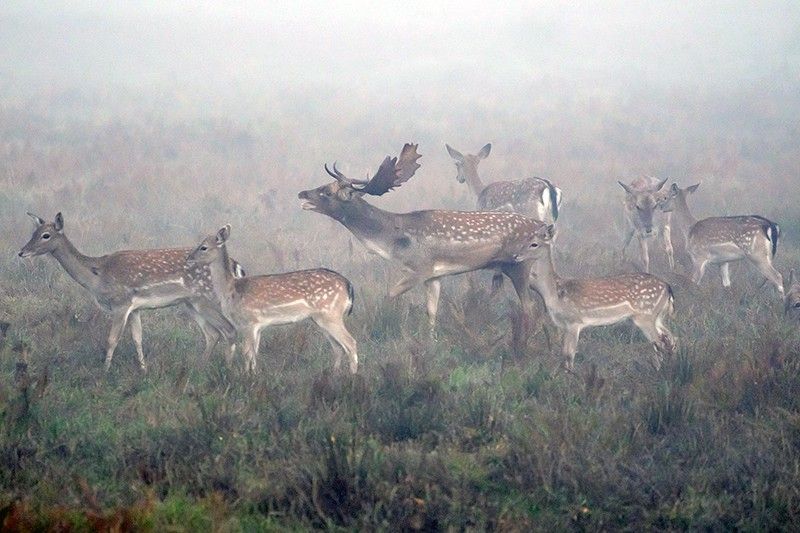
(467, 430)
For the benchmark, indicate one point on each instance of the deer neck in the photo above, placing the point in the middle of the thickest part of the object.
(474, 182)
(365, 221)
(223, 281)
(81, 268)
(545, 280)
(683, 212)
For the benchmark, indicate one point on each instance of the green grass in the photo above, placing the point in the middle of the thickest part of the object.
(466, 431)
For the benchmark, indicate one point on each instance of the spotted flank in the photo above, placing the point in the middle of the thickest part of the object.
(534, 196)
(470, 226)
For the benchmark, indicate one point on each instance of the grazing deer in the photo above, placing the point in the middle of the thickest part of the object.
(430, 244)
(642, 196)
(722, 240)
(575, 304)
(537, 198)
(125, 282)
(255, 302)
(792, 304)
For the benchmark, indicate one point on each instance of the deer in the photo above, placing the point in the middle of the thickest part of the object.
(642, 197)
(431, 244)
(535, 197)
(575, 304)
(256, 302)
(124, 283)
(723, 240)
(792, 301)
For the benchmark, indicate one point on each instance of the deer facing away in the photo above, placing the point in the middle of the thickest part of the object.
(723, 240)
(125, 282)
(256, 302)
(427, 244)
(575, 304)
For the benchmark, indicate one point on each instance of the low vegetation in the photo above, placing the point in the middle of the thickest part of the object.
(475, 428)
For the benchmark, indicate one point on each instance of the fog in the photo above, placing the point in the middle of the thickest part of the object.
(152, 124)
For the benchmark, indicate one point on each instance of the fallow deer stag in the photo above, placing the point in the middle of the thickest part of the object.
(537, 198)
(575, 304)
(427, 244)
(255, 302)
(642, 197)
(792, 303)
(723, 240)
(125, 282)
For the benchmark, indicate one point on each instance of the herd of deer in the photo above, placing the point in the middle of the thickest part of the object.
(512, 233)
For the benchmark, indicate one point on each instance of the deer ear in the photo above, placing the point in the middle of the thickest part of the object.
(546, 232)
(223, 234)
(674, 188)
(39, 221)
(484, 153)
(627, 189)
(692, 188)
(59, 222)
(661, 184)
(455, 154)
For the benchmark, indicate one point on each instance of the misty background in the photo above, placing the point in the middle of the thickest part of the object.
(151, 124)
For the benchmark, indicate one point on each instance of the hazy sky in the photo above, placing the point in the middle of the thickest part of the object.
(244, 45)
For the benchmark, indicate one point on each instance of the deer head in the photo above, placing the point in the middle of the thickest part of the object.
(467, 165)
(210, 249)
(45, 238)
(640, 202)
(675, 196)
(332, 199)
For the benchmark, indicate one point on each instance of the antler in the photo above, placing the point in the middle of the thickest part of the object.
(393, 172)
(338, 176)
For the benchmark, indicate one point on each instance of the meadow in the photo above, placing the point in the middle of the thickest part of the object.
(469, 430)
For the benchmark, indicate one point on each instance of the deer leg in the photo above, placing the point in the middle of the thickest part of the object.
(136, 333)
(118, 321)
(250, 348)
(210, 333)
(698, 269)
(725, 272)
(341, 340)
(644, 254)
(406, 284)
(519, 274)
(434, 288)
(764, 265)
(667, 233)
(570, 346)
(497, 282)
(213, 324)
(647, 325)
(626, 241)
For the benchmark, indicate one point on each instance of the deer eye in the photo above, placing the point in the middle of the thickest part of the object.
(535, 245)
(45, 236)
(203, 248)
(797, 305)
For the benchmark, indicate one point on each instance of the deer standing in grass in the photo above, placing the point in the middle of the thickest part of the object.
(575, 304)
(792, 302)
(537, 198)
(723, 240)
(255, 302)
(125, 282)
(642, 197)
(430, 244)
